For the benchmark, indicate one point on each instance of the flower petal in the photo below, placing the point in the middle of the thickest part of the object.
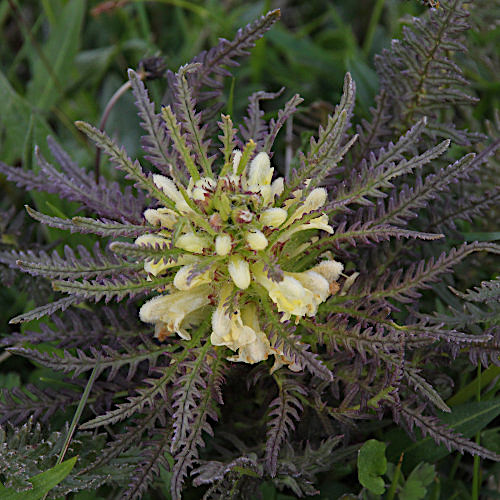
(259, 348)
(330, 269)
(260, 172)
(273, 217)
(170, 189)
(288, 294)
(227, 326)
(239, 271)
(320, 222)
(186, 277)
(256, 240)
(171, 310)
(315, 200)
(223, 244)
(192, 242)
(163, 217)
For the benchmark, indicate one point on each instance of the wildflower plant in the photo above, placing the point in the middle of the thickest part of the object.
(235, 272)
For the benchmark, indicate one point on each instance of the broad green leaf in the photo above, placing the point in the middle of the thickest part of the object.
(87, 495)
(491, 439)
(491, 236)
(15, 116)
(465, 419)
(371, 465)
(47, 85)
(21, 128)
(366, 81)
(470, 390)
(415, 487)
(42, 483)
(10, 380)
(302, 50)
(94, 63)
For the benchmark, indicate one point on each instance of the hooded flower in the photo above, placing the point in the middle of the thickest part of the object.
(227, 325)
(296, 294)
(170, 312)
(222, 239)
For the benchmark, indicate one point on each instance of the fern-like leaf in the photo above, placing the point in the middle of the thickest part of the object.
(109, 288)
(120, 158)
(187, 453)
(284, 409)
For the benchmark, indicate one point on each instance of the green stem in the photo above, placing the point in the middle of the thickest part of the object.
(372, 26)
(476, 476)
(111, 104)
(78, 412)
(454, 466)
(77, 415)
(395, 480)
(144, 25)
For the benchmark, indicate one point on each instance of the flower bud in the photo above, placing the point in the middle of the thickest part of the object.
(239, 271)
(256, 240)
(151, 240)
(170, 189)
(237, 154)
(191, 242)
(242, 216)
(163, 217)
(198, 194)
(203, 188)
(215, 221)
(277, 187)
(186, 277)
(260, 172)
(330, 269)
(223, 244)
(348, 283)
(273, 217)
(316, 199)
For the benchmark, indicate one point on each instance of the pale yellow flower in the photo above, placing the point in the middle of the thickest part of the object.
(258, 349)
(316, 284)
(156, 268)
(256, 240)
(164, 217)
(202, 188)
(229, 227)
(239, 271)
(170, 189)
(320, 222)
(277, 187)
(297, 294)
(237, 154)
(182, 279)
(192, 242)
(260, 171)
(223, 244)
(330, 269)
(315, 200)
(273, 217)
(152, 240)
(172, 310)
(227, 326)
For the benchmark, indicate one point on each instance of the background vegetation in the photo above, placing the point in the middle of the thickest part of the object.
(62, 60)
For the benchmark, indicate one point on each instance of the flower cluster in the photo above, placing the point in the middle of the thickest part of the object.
(235, 239)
